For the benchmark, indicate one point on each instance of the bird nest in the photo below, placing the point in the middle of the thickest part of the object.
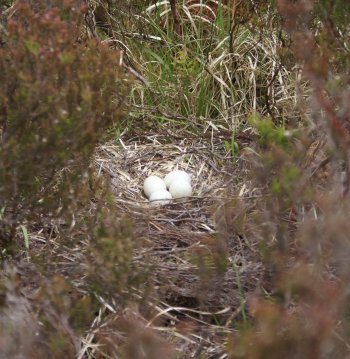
(201, 268)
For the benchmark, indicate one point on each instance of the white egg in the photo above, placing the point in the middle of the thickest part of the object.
(176, 175)
(180, 188)
(153, 184)
(160, 197)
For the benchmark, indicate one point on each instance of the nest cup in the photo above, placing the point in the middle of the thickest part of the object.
(170, 236)
(130, 166)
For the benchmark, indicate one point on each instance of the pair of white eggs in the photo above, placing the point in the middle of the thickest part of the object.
(176, 184)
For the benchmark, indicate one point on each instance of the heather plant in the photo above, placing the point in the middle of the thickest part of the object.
(59, 94)
(300, 223)
(301, 217)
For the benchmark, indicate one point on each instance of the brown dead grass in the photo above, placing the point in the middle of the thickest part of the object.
(195, 298)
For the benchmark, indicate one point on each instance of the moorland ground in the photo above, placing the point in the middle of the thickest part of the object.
(252, 99)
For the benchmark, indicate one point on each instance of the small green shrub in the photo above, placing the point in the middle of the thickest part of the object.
(301, 219)
(59, 93)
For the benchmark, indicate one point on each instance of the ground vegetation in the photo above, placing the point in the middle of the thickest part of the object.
(252, 99)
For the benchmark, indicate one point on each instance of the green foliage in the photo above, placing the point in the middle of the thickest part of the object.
(333, 17)
(218, 65)
(337, 11)
(232, 146)
(25, 236)
(269, 132)
(59, 94)
(300, 239)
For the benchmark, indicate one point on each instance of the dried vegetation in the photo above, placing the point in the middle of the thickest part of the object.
(252, 101)
(199, 268)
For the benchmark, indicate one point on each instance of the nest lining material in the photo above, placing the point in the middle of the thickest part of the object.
(130, 166)
(183, 239)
